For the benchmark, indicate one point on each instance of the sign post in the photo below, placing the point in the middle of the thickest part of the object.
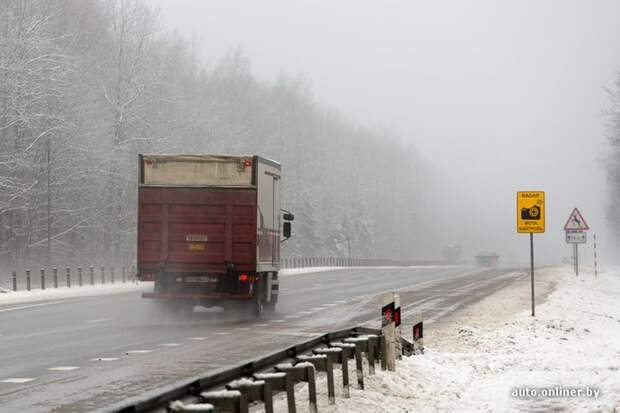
(575, 227)
(531, 220)
(595, 258)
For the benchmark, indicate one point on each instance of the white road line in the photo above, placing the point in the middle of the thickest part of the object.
(306, 312)
(317, 284)
(318, 308)
(106, 359)
(99, 320)
(292, 316)
(63, 368)
(277, 321)
(341, 301)
(330, 305)
(17, 380)
(242, 328)
(197, 338)
(3, 310)
(139, 351)
(283, 289)
(261, 325)
(170, 344)
(221, 333)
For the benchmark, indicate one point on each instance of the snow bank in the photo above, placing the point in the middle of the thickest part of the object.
(488, 357)
(11, 297)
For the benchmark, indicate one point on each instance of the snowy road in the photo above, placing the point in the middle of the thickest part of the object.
(85, 354)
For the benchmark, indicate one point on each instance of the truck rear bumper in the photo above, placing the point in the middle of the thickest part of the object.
(198, 296)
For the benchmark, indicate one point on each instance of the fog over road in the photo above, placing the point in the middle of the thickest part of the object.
(97, 353)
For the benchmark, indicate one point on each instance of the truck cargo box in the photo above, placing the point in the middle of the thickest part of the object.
(209, 226)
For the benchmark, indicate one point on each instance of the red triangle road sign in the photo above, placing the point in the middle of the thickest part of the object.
(576, 222)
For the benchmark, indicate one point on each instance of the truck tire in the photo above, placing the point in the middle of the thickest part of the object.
(259, 306)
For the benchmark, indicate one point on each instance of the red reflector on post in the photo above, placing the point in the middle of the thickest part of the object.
(244, 278)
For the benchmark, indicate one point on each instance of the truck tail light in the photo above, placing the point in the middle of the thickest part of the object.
(247, 162)
(244, 278)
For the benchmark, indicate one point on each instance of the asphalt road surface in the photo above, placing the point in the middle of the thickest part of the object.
(96, 353)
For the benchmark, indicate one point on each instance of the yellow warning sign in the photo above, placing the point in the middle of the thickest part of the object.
(530, 212)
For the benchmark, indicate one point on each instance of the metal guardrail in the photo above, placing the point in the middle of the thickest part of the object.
(305, 262)
(252, 381)
(69, 277)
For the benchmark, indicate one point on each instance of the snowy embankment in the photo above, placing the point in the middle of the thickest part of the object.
(11, 297)
(491, 355)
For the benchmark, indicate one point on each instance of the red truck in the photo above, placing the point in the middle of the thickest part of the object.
(209, 230)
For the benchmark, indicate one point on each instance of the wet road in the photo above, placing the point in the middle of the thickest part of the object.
(95, 353)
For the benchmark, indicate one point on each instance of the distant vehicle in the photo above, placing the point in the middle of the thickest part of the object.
(209, 230)
(452, 252)
(487, 259)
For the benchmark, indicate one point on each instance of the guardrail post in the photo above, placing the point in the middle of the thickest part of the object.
(43, 278)
(14, 277)
(55, 276)
(280, 381)
(92, 275)
(112, 275)
(303, 371)
(102, 274)
(323, 363)
(124, 274)
(340, 355)
(28, 280)
(68, 277)
(257, 390)
(226, 401)
(79, 276)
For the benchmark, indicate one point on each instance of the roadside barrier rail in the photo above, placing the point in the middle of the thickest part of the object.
(234, 389)
(306, 262)
(26, 280)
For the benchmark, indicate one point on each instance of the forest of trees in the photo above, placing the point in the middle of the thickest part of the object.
(86, 85)
(613, 165)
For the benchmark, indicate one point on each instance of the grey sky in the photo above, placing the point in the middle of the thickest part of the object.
(497, 95)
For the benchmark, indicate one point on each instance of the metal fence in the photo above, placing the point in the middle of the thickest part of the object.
(305, 262)
(233, 389)
(47, 278)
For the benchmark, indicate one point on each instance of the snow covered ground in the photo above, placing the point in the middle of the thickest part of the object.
(8, 297)
(489, 356)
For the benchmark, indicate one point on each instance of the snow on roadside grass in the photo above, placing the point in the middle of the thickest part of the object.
(11, 297)
(573, 342)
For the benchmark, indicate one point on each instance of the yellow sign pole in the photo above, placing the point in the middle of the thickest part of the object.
(531, 220)
(532, 271)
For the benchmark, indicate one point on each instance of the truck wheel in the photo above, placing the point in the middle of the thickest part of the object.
(259, 307)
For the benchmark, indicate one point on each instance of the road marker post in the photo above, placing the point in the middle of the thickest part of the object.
(418, 334)
(595, 258)
(388, 331)
(531, 220)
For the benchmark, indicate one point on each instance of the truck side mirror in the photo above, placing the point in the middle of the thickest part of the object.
(286, 229)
